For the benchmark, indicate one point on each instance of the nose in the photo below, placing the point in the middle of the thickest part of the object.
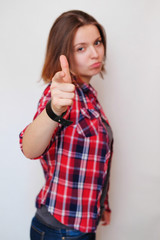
(93, 52)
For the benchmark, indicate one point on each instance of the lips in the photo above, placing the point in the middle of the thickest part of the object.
(96, 65)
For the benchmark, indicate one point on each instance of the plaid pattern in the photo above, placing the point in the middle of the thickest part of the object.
(75, 163)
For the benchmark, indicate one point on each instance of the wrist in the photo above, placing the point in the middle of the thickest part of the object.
(57, 112)
(55, 117)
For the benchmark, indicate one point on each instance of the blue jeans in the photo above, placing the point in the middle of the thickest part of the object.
(39, 231)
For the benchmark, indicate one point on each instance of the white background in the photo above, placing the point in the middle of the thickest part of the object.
(130, 97)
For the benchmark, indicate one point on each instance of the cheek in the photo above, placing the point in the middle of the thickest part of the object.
(80, 61)
(101, 52)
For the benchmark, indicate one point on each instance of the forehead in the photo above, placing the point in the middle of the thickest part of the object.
(86, 34)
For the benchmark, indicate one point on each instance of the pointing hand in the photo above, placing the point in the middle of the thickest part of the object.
(62, 89)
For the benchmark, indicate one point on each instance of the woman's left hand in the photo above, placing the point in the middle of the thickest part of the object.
(106, 218)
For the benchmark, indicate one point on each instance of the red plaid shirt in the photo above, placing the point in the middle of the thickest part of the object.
(75, 163)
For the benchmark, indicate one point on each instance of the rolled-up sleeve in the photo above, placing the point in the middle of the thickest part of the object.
(41, 106)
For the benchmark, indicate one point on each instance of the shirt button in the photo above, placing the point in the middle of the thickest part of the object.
(63, 238)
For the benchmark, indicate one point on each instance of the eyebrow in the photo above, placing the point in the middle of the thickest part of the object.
(84, 43)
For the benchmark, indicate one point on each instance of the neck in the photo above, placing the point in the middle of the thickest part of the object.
(81, 79)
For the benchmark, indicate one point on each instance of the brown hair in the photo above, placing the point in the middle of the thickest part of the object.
(60, 40)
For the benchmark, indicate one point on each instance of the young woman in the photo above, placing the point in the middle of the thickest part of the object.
(70, 133)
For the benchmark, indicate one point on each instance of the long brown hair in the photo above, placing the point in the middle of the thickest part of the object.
(60, 40)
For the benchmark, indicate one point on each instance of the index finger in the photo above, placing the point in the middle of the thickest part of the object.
(65, 68)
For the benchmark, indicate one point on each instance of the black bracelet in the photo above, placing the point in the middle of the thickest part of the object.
(55, 117)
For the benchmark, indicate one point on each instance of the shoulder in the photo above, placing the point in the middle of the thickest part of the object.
(47, 91)
(46, 95)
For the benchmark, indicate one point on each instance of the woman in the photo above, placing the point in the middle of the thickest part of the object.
(70, 133)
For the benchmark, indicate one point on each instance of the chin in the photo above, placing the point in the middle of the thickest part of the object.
(96, 71)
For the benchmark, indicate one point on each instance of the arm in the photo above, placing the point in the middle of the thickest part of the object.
(106, 215)
(106, 202)
(39, 133)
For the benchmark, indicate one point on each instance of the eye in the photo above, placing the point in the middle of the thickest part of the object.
(98, 42)
(80, 49)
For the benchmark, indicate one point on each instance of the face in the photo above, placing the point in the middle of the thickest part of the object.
(88, 53)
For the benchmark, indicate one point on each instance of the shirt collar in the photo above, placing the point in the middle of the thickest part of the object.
(88, 87)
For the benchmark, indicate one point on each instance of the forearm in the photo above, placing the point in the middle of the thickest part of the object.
(106, 202)
(38, 135)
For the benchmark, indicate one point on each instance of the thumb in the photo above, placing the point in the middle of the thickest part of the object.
(65, 68)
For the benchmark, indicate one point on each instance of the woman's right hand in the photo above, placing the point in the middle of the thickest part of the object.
(62, 89)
